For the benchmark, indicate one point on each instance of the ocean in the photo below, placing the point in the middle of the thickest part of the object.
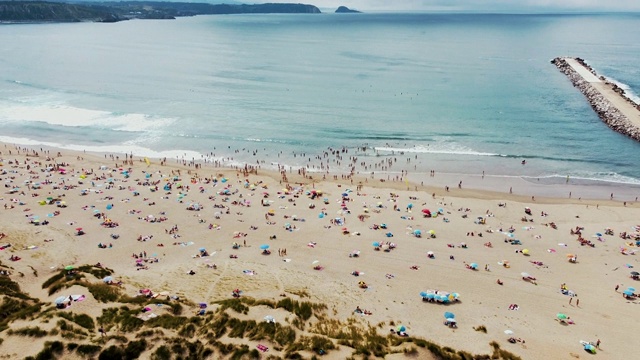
(455, 93)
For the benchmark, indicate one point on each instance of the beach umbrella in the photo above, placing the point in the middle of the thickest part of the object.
(264, 246)
(417, 232)
(423, 294)
(525, 251)
(410, 206)
(108, 279)
(628, 293)
(432, 232)
(269, 318)
(202, 305)
(449, 315)
(631, 289)
(635, 273)
(431, 295)
(429, 252)
(78, 229)
(401, 328)
(376, 244)
(524, 274)
(109, 206)
(69, 267)
(473, 265)
(426, 211)
(202, 249)
(508, 332)
(315, 262)
(321, 215)
(561, 316)
(60, 299)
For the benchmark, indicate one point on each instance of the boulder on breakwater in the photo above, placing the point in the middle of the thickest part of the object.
(610, 114)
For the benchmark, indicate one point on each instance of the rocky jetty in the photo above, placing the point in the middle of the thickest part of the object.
(605, 109)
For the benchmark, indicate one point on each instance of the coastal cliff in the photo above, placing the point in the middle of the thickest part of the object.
(601, 104)
(42, 11)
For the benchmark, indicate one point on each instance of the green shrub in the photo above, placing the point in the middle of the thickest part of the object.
(481, 328)
(104, 292)
(166, 321)
(134, 349)
(161, 353)
(83, 320)
(32, 331)
(112, 353)
(88, 350)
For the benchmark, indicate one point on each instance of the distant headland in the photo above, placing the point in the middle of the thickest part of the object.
(111, 11)
(344, 9)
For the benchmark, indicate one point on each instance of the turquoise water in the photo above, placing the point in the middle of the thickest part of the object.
(464, 93)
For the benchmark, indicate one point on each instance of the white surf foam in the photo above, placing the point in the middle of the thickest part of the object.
(65, 115)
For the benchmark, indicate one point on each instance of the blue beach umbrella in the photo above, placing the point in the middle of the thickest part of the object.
(107, 279)
(202, 249)
(417, 232)
(628, 293)
(431, 296)
(376, 244)
(423, 294)
(264, 246)
(473, 265)
(449, 315)
(410, 206)
(401, 328)
(109, 207)
(632, 289)
(321, 215)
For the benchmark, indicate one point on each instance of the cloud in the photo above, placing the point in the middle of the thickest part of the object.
(478, 5)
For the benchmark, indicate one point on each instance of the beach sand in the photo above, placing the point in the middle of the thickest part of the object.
(231, 211)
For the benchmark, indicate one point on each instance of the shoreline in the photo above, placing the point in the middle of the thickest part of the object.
(483, 186)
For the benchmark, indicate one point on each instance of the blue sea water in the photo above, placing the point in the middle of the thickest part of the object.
(465, 93)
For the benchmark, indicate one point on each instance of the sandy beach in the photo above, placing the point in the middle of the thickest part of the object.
(152, 222)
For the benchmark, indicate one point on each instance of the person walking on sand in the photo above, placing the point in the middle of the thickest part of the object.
(570, 300)
(598, 344)
(578, 302)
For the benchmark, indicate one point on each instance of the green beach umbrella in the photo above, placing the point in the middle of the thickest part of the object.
(561, 316)
(69, 267)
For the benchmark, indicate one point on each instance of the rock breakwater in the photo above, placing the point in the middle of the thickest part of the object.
(600, 103)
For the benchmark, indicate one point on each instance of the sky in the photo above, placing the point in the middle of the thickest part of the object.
(475, 5)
